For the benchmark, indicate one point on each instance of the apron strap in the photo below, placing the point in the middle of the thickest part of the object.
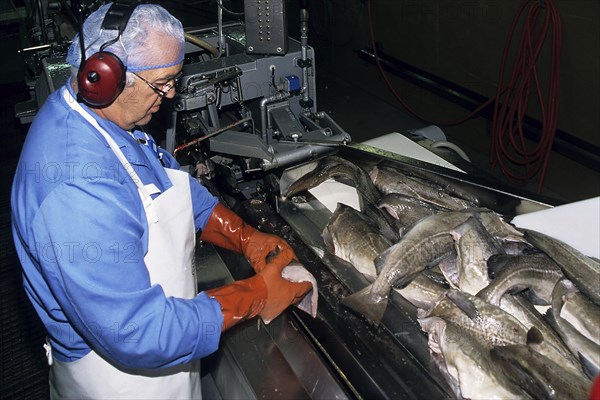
(142, 190)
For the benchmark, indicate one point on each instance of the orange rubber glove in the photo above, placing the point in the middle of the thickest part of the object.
(281, 293)
(240, 300)
(227, 230)
(266, 294)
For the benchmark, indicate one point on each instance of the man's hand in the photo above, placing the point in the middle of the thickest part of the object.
(266, 250)
(227, 230)
(281, 293)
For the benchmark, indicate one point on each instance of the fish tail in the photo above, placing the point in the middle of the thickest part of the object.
(368, 304)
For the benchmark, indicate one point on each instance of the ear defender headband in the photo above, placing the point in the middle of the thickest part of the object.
(101, 77)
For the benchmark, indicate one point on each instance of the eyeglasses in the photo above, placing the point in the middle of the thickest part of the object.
(166, 88)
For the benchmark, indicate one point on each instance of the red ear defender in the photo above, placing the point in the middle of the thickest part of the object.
(101, 79)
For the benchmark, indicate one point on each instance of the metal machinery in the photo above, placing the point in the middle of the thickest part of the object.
(244, 116)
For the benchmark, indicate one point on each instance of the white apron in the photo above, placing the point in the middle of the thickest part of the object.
(170, 262)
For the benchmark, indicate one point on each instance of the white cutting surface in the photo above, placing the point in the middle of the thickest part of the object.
(577, 224)
(398, 143)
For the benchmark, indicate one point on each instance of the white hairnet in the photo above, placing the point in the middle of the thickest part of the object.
(133, 48)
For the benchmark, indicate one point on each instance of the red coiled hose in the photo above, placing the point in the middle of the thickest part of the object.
(512, 99)
(508, 140)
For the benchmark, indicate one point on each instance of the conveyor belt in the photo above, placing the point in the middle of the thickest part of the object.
(372, 362)
(360, 360)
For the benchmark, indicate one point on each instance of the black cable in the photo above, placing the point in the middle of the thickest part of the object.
(235, 14)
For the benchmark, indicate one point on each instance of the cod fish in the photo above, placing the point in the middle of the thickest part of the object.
(474, 245)
(407, 210)
(582, 270)
(512, 274)
(351, 236)
(336, 167)
(386, 224)
(480, 196)
(489, 324)
(394, 181)
(368, 195)
(424, 243)
(578, 310)
(423, 291)
(582, 348)
(539, 376)
(456, 188)
(552, 346)
(585, 349)
(402, 262)
(465, 363)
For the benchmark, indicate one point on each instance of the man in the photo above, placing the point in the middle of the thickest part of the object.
(104, 224)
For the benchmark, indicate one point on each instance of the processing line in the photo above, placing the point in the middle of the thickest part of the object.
(245, 122)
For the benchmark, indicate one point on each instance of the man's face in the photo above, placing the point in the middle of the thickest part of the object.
(136, 104)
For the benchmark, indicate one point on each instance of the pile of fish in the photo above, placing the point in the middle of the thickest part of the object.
(508, 313)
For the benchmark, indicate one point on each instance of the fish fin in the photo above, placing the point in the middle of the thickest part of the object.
(550, 317)
(367, 304)
(464, 303)
(534, 335)
(531, 295)
(437, 277)
(588, 366)
(379, 218)
(389, 210)
(373, 173)
(401, 232)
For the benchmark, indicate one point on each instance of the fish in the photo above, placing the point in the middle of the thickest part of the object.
(296, 272)
(474, 245)
(580, 269)
(427, 241)
(584, 349)
(541, 377)
(389, 227)
(579, 311)
(352, 237)
(552, 345)
(465, 363)
(393, 181)
(518, 248)
(368, 195)
(479, 196)
(406, 210)
(453, 187)
(499, 228)
(423, 291)
(487, 323)
(403, 261)
(336, 167)
(511, 274)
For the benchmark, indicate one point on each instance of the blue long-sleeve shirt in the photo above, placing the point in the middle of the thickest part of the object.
(81, 234)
